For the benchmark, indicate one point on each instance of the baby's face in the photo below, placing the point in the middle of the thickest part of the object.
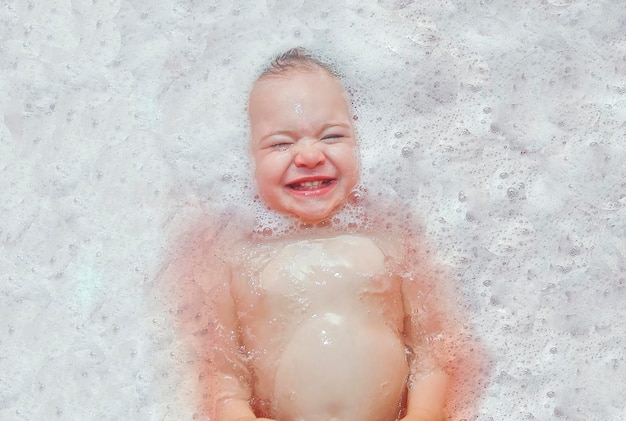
(303, 143)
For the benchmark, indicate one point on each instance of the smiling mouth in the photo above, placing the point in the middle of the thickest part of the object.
(311, 185)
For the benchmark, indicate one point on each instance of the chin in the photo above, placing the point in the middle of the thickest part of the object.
(312, 221)
(314, 217)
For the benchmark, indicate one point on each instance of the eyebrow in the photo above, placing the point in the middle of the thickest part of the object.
(336, 124)
(288, 133)
(292, 133)
(322, 129)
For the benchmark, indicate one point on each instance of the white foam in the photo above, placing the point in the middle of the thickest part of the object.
(500, 124)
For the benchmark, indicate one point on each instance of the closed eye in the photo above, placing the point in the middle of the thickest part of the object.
(280, 145)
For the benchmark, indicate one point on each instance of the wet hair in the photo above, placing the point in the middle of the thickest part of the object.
(295, 59)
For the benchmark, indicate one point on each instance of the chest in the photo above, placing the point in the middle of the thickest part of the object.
(315, 275)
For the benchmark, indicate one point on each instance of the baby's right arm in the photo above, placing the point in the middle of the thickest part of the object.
(232, 376)
(200, 286)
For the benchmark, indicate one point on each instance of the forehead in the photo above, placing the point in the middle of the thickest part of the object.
(305, 83)
(297, 100)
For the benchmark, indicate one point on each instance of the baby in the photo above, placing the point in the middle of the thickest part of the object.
(319, 323)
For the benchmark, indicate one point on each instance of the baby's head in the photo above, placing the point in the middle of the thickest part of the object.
(302, 138)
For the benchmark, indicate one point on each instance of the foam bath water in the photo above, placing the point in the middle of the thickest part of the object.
(501, 125)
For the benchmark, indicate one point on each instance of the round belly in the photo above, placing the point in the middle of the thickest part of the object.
(339, 368)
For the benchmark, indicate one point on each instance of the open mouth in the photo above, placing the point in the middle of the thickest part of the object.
(314, 185)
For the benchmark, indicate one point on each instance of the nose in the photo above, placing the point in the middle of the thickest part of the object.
(309, 156)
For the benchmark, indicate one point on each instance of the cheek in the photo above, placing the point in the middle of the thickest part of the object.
(352, 170)
(347, 160)
(267, 170)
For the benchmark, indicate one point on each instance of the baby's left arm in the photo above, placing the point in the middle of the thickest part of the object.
(427, 397)
(428, 381)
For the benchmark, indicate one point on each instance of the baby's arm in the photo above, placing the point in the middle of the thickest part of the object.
(427, 397)
(232, 374)
(200, 286)
(428, 381)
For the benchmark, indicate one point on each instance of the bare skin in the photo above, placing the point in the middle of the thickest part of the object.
(325, 306)
(315, 327)
(324, 334)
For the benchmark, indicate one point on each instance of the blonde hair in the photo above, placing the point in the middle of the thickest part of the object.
(295, 58)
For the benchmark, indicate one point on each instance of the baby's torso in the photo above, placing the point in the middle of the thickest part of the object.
(322, 322)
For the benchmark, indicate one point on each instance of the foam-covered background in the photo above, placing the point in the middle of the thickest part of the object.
(501, 123)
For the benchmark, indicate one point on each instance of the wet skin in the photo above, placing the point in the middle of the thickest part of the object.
(312, 328)
(324, 323)
(303, 143)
